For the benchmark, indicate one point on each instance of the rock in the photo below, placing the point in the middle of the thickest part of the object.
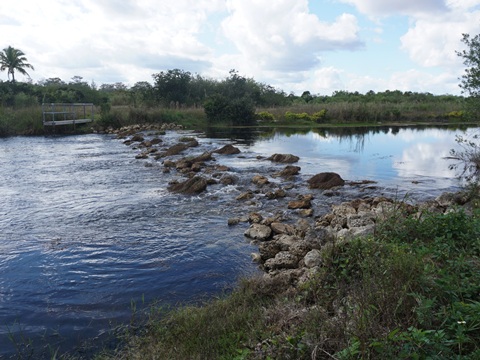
(195, 185)
(258, 232)
(255, 218)
(143, 155)
(183, 164)
(290, 170)
(268, 249)
(156, 141)
(175, 149)
(285, 242)
(282, 260)
(313, 258)
(306, 212)
(206, 156)
(299, 204)
(283, 158)
(137, 138)
(228, 179)
(228, 150)
(245, 196)
(279, 193)
(260, 180)
(325, 181)
(281, 228)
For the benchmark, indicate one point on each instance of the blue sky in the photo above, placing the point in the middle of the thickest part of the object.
(295, 45)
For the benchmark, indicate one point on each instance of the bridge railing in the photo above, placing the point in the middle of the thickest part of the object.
(67, 113)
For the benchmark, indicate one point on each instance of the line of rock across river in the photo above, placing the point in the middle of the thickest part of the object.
(296, 232)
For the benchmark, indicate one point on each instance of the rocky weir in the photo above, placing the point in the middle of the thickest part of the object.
(293, 220)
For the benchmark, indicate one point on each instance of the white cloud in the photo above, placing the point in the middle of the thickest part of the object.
(396, 7)
(433, 41)
(283, 35)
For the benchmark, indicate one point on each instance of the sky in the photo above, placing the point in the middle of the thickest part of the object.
(294, 45)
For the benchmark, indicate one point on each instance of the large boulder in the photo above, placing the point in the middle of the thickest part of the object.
(192, 186)
(282, 260)
(325, 181)
(228, 150)
(284, 158)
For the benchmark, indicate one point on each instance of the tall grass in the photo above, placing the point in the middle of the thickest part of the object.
(374, 112)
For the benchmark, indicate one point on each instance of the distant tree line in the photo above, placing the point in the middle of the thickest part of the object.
(232, 100)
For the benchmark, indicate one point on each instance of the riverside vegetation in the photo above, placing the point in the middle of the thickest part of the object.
(196, 102)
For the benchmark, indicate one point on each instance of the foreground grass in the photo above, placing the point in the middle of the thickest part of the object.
(409, 292)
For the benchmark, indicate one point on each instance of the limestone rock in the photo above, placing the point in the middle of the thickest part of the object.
(195, 185)
(228, 150)
(283, 260)
(260, 180)
(313, 258)
(325, 181)
(284, 158)
(258, 232)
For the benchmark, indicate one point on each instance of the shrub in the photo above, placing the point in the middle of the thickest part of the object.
(219, 108)
(265, 116)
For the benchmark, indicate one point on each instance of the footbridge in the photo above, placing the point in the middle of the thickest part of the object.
(67, 114)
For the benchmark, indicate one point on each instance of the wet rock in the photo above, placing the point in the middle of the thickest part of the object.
(228, 150)
(156, 141)
(137, 138)
(258, 232)
(260, 180)
(175, 149)
(325, 181)
(143, 155)
(228, 179)
(279, 193)
(284, 158)
(195, 185)
(290, 170)
(206, 156)
(245, 196)
(255, 218)
(300, 204)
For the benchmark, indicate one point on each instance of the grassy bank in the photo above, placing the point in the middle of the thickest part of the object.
(411, 291)
(28, 120)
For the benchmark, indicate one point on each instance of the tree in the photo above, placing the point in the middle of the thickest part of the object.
(470, 81)
(12, 60)
(172, 86)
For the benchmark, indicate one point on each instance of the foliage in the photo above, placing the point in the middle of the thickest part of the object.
(467, 157)
(12, 60)
(470, 81)
(234, 103)
(265, 116)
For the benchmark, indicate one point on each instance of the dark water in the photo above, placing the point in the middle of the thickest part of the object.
(87, 230)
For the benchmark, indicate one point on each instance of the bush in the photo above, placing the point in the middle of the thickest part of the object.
(219, 108)
(265, 116)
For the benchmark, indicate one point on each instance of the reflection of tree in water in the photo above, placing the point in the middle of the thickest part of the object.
(356, 135)
(243, 135)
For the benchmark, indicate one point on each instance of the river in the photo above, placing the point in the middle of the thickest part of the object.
(89, 232)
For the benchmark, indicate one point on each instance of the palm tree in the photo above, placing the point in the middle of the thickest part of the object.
(12, 59)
